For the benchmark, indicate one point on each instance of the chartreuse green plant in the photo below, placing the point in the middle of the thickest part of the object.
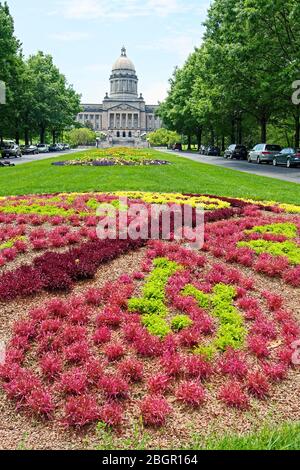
(287, 229)
(10, 243)
(180, 322)
(289, 249)
(231, 331)
(37, 210)
(152, 303)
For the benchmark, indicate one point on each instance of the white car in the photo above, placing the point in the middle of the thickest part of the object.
(263, 153)
(43, 148)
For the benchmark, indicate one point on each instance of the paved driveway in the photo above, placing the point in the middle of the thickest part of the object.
(41, 156)
(286, 174)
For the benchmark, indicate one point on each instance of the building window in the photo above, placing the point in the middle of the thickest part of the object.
(130, 134)
(124, 134)
(118, 134)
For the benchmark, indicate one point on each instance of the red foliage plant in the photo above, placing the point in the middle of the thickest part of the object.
(197, 367)
(111, 316)
(51, 365)
(74, 381)
(94, 370)
(40, 402)
(102, 335)
(114, 351)
(275, 302)
(131, 370)
(258, 385)
(191, 394)
(21, 385)
(233, 363)
(81, 411)
(265, 328)
(94, 296)
(159, 384)
(111, 414)
(72, 334)
(233, 396)
(77, 352)
(155, 411)
(57, 308)
(172, 363)
(258, 346)
(276, 372)
(147, 345)
(114, 386)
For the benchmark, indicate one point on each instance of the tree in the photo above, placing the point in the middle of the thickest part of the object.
(10, 65)
(82, 136)
(163, 138)
(55, 103)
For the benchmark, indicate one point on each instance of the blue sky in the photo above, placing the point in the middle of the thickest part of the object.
(85, 38)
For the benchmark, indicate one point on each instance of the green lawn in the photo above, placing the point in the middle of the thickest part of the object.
(182, 176)
(284, 437)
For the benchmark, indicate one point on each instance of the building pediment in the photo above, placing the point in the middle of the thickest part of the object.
(122, 107)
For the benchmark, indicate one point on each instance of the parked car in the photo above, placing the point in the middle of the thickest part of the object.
(65, 146)
(213, 151)
(288, 157)
(236, 151)
(11, 150)
(55, 148)
(263, 153)
(202, 150)
(43, 148)
(29, 150)
(178, 147)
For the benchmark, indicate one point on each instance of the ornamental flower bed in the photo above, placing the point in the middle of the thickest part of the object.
(112, 162)
(179, 334)
(120, 156)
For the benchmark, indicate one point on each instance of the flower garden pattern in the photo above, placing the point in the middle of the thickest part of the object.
(186, 324)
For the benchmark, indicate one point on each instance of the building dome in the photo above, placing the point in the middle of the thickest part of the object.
(123, 62)
(123, 80)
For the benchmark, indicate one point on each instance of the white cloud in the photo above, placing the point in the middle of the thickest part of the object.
(121, 9)
(180, 45)
(70, 36)
(155, 92)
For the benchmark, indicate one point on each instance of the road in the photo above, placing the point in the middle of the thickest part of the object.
(39, 157)
(291, 175)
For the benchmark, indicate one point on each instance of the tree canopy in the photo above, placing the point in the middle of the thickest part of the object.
(39, 98)
(237, 86)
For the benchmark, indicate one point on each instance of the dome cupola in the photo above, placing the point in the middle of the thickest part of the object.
(123, 79)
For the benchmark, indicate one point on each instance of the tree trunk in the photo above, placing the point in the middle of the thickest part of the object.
(263, 126)
(297, 128)
(199, 138)
(223, 143)
(240, 132)
(189, 142)
(17, 137)
(212, 137)
(232, 136)
(26, 136)
(42, 134)
(54, 137)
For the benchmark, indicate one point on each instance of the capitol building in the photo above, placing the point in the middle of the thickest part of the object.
(123, 116)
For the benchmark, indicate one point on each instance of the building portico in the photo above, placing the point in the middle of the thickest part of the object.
(123, 116)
